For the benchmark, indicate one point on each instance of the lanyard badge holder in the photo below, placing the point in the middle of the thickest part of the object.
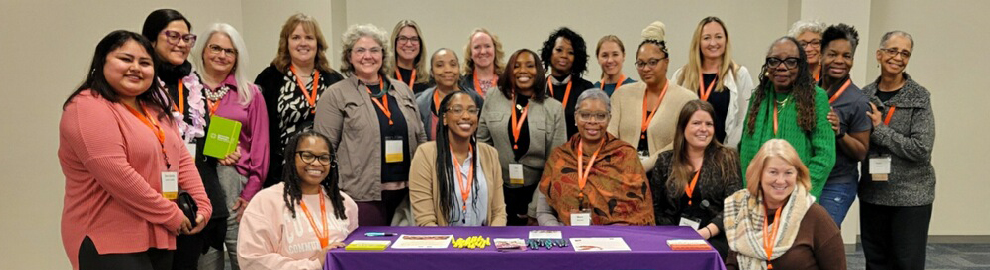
(582, 215)
(880, 165)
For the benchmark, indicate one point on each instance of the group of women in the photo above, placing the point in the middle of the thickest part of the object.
(398, 138)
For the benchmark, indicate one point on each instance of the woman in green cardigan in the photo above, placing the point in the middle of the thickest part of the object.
(787, 105)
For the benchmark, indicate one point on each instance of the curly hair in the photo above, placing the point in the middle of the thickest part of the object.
(290, 176)
(838, 32)
(358, 31)
(803, 90)
(580, 65)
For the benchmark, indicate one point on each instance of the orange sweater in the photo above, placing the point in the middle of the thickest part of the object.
(112, 164)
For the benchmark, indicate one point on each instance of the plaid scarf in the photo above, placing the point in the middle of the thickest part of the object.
(744, 214)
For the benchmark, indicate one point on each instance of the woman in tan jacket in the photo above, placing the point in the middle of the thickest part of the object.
(644, 114)
(454, 180)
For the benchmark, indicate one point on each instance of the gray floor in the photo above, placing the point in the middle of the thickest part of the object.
(941, 256)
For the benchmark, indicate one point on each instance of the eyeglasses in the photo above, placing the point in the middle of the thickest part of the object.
(405, 39)
(362, 51)
(790, 62)
(308, 158)
(458, 111)
(592, 116)
(652, 63)
(891, 52)
(173, 37)
(216, 49)
(814, 44)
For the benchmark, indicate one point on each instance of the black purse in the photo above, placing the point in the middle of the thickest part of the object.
(188, 206)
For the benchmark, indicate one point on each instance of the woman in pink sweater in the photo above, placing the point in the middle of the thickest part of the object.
(123, 162)
(290, 225)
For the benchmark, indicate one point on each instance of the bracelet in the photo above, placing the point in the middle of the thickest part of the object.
(710, 234)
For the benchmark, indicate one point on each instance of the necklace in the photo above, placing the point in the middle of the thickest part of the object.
(217, 94)
(782, 103)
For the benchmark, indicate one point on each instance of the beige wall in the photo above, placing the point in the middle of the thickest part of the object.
(46, 46)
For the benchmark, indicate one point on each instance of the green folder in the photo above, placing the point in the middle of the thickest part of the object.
(222, 137)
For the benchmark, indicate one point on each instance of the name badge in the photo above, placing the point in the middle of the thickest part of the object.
(643, 155)
(393, 151)
(880, 168)
(516, 174)
(580, 218)
(191, 147)
(690, 222)
(170, 185)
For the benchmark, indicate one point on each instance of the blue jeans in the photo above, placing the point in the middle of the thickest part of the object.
(837, 198)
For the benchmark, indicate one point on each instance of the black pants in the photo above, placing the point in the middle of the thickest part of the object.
(152, 259)
(188, 248)
(894, 237)
(517, 203)
(379, 213)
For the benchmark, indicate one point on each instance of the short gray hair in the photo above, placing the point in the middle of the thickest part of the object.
(594, 94)
(799, 27)
(358, 31)
(886, 37)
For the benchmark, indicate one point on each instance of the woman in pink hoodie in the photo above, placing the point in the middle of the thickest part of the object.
(292, 224)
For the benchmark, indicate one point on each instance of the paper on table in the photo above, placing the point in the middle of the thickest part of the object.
(510, 243)
(544, 234)
(423, 241)
(600, 244)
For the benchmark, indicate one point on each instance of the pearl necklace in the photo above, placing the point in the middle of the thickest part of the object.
(214, 95)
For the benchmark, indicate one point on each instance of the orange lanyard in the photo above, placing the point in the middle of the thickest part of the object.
(477, 85)
(325, 235)
(583, 174)
(151, 123)
(517, 123)
(703, 92)
(689, 189)
(412, 78)
(464, 185)
(768, 240)
(181, 101)
(839, 92)
(775, 128)
(311, 95)
(436, 100)
(383, 104)
(214, 105)
(567, 91)
(890, 113)
(618, 84)
(647, 117)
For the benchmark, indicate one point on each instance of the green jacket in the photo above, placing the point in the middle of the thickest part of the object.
(816, 148)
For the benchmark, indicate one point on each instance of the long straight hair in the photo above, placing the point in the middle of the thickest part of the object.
(681, 170)
(241, 61)
(292, 190)
(97, 83)
(419, 64)
(507, 82)
(689, 73)
(445, 166)
(283, 60)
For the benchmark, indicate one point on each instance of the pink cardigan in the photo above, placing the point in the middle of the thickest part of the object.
(112, 164)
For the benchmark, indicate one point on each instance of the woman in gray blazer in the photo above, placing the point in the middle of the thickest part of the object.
(524, 126)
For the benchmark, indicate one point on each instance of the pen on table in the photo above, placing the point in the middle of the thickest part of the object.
(379, 234)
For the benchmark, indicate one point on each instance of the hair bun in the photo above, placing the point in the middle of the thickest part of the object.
(655, 31)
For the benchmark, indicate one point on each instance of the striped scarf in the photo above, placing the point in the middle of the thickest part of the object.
(744, 214)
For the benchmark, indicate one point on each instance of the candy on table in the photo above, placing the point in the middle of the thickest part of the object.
(472, 242)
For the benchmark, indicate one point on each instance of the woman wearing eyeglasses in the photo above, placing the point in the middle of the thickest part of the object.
(524, 125)
(565, 54)
(787, 105)
(221, 58)
(645, 113)
(483, 65)
(409, 64)
(293, 224)
(896, 204)
(374, 124)
(169, 33)
(293, 83)
(610, 190)
(717, 79)
(456, 181)
(444, 70)
(809, 36)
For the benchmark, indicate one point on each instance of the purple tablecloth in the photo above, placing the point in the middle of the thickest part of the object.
(648, 244)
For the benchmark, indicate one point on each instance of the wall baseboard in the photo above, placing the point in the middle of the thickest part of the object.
(933, 239)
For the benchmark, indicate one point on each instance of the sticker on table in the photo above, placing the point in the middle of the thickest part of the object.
(408, 241)
(600, 244)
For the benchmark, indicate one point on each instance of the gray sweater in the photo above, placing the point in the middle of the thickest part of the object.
(908, 140)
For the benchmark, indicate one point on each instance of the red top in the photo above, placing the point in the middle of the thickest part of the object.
(112, 164)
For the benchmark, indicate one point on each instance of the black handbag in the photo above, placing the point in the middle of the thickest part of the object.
(188, 206)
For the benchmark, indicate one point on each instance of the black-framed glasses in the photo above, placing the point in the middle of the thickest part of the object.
(650, 63)
(216, 49)
(458, 111)
(405, 39)
(592, 116)
(173, 37)
(790, 62)
(817, 43)
(309, 157)
(891, 52)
